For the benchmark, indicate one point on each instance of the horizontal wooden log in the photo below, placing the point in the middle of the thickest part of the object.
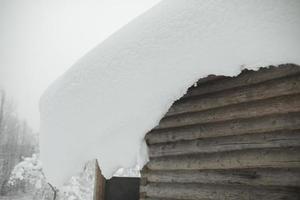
(251, 177)
(273, 88)
(253, 158)
(150, 198)
(270, 123)
(209, 79)
(247, 77)
(218, 192)
(277, 105)
(228, 143)
(157, 198)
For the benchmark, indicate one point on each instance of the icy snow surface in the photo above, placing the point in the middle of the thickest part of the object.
(106, 102)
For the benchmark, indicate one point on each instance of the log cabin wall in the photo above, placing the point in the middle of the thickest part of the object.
(229, 138)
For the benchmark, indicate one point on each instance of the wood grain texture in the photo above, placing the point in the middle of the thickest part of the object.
(230, 143)
(278, 87)
(288, 121)
(218, 192)
(277, 105)
(247, 77)
(157, 198)
(229, 139)
(252, 177)
(260, 158)
(99, 185)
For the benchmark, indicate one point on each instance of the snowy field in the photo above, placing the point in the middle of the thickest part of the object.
(27, 181)
(19, 197)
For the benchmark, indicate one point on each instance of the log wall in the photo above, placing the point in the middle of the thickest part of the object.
(229, 138)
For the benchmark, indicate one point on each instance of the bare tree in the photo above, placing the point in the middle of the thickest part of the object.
(16, 139)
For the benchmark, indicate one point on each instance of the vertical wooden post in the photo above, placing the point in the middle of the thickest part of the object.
(99, 186)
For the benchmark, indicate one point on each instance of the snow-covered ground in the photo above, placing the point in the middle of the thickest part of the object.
(103, 106)
(16, 197)
(29, 176)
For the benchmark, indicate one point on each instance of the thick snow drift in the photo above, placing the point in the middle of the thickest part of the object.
(105, 104)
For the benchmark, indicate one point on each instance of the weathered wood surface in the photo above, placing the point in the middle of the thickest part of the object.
(247, 77)
(151, 198)
(209, 79)
(229, 138)
(229, 143)
(205, 191)
(250, 158)
(277, 105)
(99, 186)
(272, 88)
(252, 177)
(289, 121)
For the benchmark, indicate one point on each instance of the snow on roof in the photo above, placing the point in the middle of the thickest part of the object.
(106, 102)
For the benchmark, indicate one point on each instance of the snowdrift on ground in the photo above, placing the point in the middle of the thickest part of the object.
(106, 102)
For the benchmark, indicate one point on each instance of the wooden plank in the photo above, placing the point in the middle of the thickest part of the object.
(149, 198)
(253, 158)
(153, 198)
(251, 177)
(273, 88)
(218, 192)
(289, 121)
(99, 186)
(210, 79)
(277, 105)
(247, 77)
(229, 143)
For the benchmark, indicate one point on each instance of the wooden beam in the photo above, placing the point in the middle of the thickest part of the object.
(288, 121)
(253, 177)
(247, 77)
(272, 88)
(276, 139)
(99, 186)
(205, 191)
(250, 158)
(276, 105)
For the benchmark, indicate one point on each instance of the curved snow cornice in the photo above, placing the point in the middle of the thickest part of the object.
(105, 104)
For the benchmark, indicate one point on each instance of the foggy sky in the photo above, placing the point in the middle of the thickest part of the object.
(40, 39)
